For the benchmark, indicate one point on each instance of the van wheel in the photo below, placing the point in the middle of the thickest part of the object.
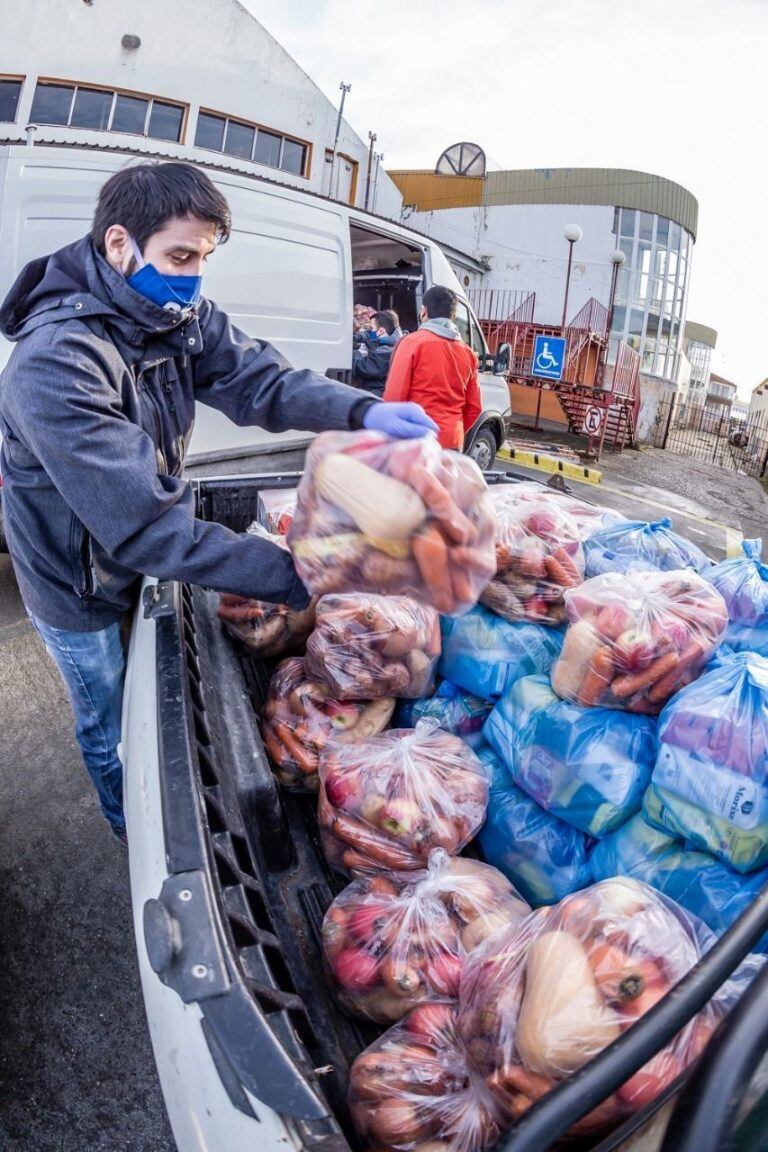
(483, 450)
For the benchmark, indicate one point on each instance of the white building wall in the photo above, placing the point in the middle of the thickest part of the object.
(204, 53)
(527, 249)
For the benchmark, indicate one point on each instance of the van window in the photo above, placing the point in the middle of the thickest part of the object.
(470, 333)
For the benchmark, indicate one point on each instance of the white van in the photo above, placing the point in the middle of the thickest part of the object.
(290, 274)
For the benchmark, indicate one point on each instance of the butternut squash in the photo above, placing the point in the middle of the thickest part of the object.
(563, 1020)
(382, 508)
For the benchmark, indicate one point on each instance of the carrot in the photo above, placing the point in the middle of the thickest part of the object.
(625, 686)
(477, 559)
(561, 568)
(458, 528)
(363, 839)
(248, 610)
(668, 684)
(464, 591)
(431, 555)
(303, 758)
(277, 753)
(597, 677)
(527, 1083)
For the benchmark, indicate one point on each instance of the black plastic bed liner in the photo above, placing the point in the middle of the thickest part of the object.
(273, 1028)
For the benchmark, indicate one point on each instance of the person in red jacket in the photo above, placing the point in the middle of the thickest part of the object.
(436, 369)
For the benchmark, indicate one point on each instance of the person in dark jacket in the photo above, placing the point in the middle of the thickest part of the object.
(114, 346)
(370, 363)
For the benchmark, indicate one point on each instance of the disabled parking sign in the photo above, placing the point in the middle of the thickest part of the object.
(549, 357)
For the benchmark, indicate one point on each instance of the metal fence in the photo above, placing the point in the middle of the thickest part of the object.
(709, 433)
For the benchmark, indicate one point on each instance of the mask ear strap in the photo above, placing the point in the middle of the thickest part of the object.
(136, 252)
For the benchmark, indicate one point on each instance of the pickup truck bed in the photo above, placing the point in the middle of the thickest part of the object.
(229, 899)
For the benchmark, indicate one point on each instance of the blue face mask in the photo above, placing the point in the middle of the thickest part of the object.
(171, 292)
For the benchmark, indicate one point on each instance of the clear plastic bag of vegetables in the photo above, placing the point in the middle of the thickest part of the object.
(415, 1090)
(538, 556)
(484, 654)
(455, 711)
(700, 884)
(544, 857)
(395, 517)
(262, 627)
(385, 803)
(710, 782)
(636, 638)
(395, 939)
(366, 646)
(640, 546)
(276, 509)
(590, 518)
(588, 766)
(301, 719)
(540, 1001)
(742, 582)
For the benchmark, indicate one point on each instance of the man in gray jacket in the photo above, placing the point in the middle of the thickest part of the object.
(114, 345)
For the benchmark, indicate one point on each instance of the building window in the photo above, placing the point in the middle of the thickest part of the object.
(103, 109)
(250, 142)
(10, 91)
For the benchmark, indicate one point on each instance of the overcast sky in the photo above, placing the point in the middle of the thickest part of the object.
(673, 87)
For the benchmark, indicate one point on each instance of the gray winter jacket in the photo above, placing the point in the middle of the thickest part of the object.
(96, 411)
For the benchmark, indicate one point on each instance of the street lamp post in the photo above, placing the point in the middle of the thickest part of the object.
(573, 234)
(378, 156)
(344, 89)
(617, 259)
(372, 139)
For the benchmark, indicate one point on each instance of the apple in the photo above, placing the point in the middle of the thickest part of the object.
(356, 969)
(340, 788)
(431, 1024)
(401, 818)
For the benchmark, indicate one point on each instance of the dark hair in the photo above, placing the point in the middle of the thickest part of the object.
(145, 197)
(440, 301)
(388, 320)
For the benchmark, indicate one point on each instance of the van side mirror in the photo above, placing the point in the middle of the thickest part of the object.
(502, 360)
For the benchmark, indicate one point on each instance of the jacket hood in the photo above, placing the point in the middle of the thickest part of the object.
(442, 326)
(75, 283)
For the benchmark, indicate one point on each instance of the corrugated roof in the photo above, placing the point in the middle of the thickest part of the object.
(701, 333)
(615, 187)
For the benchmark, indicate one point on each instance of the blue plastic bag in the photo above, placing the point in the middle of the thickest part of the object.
(587, 766)
(699, 883)
(484, 654)
(455, 711)
(710, 782)
(743, 584)
(638, 546)
(543, 857)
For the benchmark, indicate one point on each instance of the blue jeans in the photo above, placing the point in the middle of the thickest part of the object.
(92, 666)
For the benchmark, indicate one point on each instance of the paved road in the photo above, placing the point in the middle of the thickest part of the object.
(76, 1067)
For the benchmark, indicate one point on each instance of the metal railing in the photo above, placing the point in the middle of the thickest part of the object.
(626, 372)
(593, 317)
(708, 432)
(515, 305)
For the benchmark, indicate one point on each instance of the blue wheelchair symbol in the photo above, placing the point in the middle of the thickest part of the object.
(548, 357)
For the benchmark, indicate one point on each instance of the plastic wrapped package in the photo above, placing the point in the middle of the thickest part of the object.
(539, 1001)
(538, 556)
(301, 718)
(544, 858)
(710, 783)
(484, 654)
(395, 517)
(268, 629)
(385, 803)
(590, 518)
(639, 546)
(702, 885)
(743, 583)
(588, 766)
(392, 940)
(262, 627)
(636, 638)
(455, 711)
(366, 646)
(276, 509)
(416, 1090)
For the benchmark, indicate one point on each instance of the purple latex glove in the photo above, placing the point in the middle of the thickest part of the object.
(400, 421)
